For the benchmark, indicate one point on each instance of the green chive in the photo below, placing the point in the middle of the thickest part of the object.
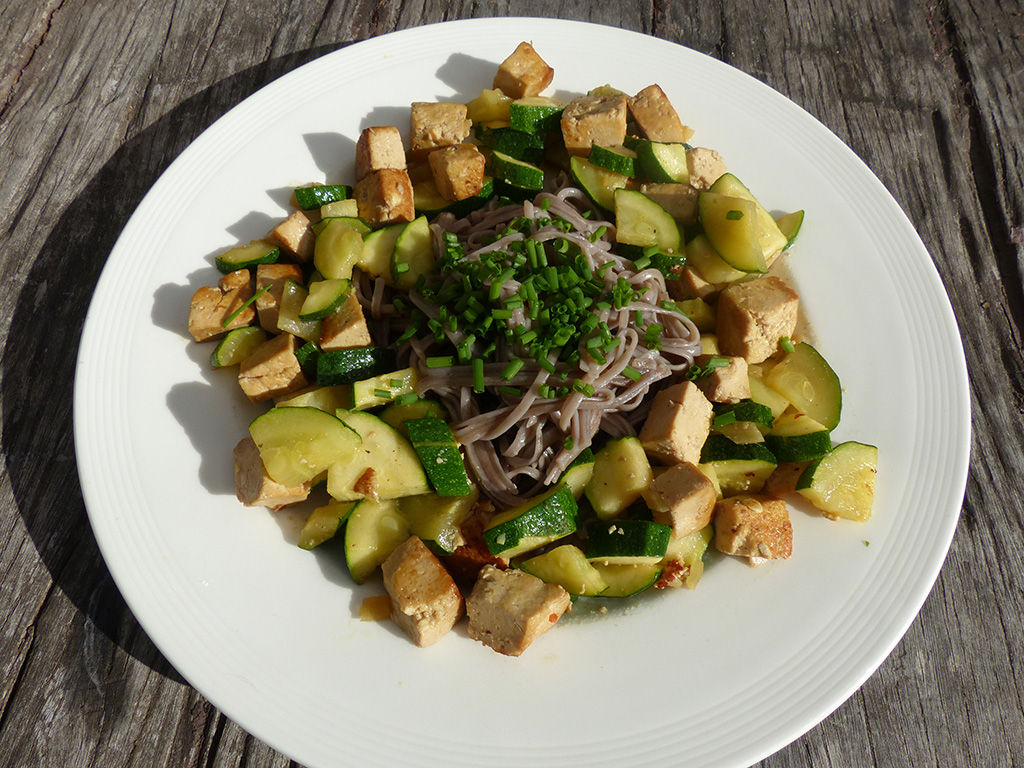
(446, 361)
(241, 309)
(734, 215)
(478, 375)
(513, 367)
(787, 345)
(383, 394)
(632, 373)
(510, 391)
(408, 397)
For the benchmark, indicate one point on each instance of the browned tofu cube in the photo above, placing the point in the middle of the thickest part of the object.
(678, 424)
(680, 200)
(752, 526)
(726, 384)
(425, 602)
(212, 305)
(523, 73)
(272, 370)
(295, 235)
(254, 487)
(682, 496)
(510, 609)
(705, 166)
(346, 328)
(690, 285)
(597, 119)
(385, 197)
(379, 147)
(458, 171)
(753, 315)
(273, 277)
(437, 124)
(783, 480)
(656, 117)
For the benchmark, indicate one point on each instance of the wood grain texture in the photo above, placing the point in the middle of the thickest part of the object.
(98, 97)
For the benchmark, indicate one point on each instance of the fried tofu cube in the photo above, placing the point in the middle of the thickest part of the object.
(678, 424)
(594, 119)
(682, 496)
(510, 609)
(458, 171)
(753, 526)
(523, 73)
(690, 285)
(437, 124)
(753, 315)
(656, 117)
(784, 479)
(425, 602)
(273, 277)
(212, 305)
(726, 384)
(379, 147)
(346, 328)
(295, 235)
(680, 200)
(272, 369)
(254, 487)
(705, 166)
(385, 197)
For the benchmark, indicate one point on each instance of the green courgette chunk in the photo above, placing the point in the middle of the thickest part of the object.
(805, 379)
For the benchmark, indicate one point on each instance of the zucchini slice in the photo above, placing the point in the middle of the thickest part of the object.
(248, 255)
(662, 161)
(324, 298)
(568, 567)
(769, 236)
(346, 366)
(382, 389)
(317, 195)
(740, 467)
(437, 520)
(397, 413)
(413, 255)
(374, 530)
(236, 346)
(535, 115)
(293, 296)
(532, 524)
(703, 257)
(518, 173)
(297, 444)
(338, 248)
(842, 483)
(642, 222)
(789, 225)
(730, 224)
(805, 379)
(616, 159)
(621, 474)
(396, 470)
(324, 523)
(599, 183)
(435, 444)
(627, 542)
(579, 472)
(627, 580)
(375, 258)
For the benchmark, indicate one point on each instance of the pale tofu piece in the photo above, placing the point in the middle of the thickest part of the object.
(385, 197)
(213, 304)
(379, 147)
(680, 200)
(682, 496)
(458, 171)
(254, 487)
(728, 384)
(678, 424)
(273, 277)
(509, 609)
(295, 235)
(753, 526)
(437, 124)
(272, 370)
(705, 166)
(425, 602)
(596, 119)
(656, 117)
(690, 285)
(753, 315)
(346, 328)
(523, 73)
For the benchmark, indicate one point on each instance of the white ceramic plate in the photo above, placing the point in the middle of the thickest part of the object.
(721, 676)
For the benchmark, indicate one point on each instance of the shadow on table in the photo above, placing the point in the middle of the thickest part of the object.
(39, 357)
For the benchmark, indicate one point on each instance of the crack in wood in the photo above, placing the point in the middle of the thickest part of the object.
(23, 59)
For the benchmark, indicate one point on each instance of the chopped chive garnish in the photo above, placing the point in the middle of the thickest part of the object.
(384, 394)
(396, 383)
(510, 391)
(642, 263)
(583, 387)
(230, 318)
(513, 367)
(478, 375)
(632, 373)
(734, 215)
(445, 361)
(787, 345)
(408, 397)
(723, 419)
(402, 267)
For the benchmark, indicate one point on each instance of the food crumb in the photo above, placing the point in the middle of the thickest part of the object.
(375, 608)
(867, 543)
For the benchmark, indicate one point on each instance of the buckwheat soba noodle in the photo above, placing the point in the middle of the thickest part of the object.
(536, 335)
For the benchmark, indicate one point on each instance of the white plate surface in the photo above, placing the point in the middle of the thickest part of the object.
(721, 676)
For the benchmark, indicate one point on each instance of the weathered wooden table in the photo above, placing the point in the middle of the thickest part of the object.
(97, 97)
